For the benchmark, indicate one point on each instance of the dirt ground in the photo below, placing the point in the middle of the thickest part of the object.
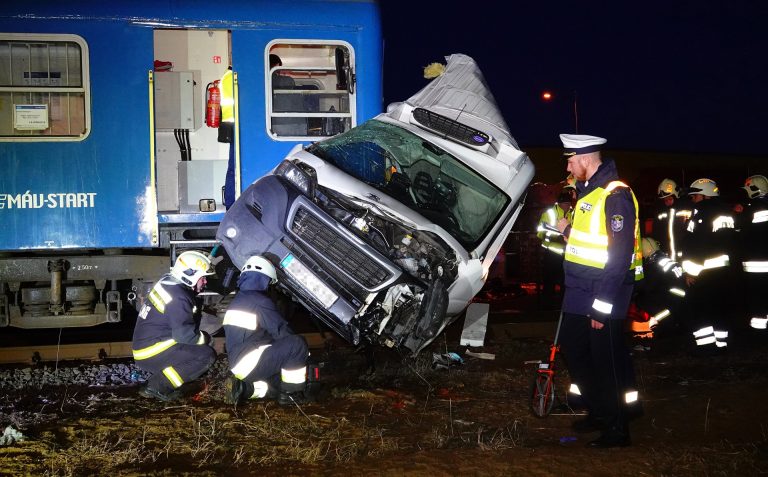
(702, 416)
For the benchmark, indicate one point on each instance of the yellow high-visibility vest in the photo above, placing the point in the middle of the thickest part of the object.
(227, 98)
(550, 240)
(588, 240)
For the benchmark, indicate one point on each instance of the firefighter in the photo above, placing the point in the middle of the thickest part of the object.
(707, 242)
(659, 294)
(668, 222)
(754, 247)
(570, 187)
(266, 358)
(167, 340)
(554, 245)
(602, 263)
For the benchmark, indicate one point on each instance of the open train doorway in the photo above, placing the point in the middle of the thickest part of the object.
(192, 147)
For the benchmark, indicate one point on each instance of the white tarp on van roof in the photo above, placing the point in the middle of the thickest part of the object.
(461, 94)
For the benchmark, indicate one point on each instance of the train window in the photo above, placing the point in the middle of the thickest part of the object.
(310, 89)
(44, 87)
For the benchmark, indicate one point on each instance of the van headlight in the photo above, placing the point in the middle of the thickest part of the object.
(300, 177)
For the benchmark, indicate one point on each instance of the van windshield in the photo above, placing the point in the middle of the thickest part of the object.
(419, 174)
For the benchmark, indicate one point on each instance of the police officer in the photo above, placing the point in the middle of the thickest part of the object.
(554, 245)
(602, 262)
(707, 242)
(167, 340)
(668, 221)
(754, 247)
(266, 358)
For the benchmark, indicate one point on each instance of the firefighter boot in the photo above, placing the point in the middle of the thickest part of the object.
(148, 391)
(291, 393)
(237, 390)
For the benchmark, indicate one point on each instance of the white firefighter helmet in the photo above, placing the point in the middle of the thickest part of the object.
(257, 263)
(756, 186)
(705, 187)
(650, 246)
(190, 266)
(667, 188)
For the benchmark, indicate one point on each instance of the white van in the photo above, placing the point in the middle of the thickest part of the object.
(387, 231)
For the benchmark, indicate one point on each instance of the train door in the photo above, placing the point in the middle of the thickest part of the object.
(191, 154)
(292, 91)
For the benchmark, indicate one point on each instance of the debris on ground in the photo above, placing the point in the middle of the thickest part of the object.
(446, 360)
(489, 356)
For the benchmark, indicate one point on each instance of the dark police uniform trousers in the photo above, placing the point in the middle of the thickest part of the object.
(599, 360)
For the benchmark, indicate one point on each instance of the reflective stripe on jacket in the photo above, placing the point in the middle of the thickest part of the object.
(549, 239)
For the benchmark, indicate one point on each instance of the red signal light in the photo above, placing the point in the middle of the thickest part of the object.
(547, 96)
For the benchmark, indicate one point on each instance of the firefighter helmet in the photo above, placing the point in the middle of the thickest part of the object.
(650, 246)
(190, 266)
(667, 188)
(756, 186)
(705, 187)
(257, 263)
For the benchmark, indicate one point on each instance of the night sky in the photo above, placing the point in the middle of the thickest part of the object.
(675, 77)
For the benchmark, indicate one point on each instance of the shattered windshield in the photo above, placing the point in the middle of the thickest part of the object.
(419, 174)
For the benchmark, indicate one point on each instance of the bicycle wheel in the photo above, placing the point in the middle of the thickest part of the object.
(542, 394)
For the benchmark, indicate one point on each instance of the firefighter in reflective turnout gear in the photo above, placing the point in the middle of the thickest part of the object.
(266, 358)
(602, 263)
(167, 340)
(554, 245)
(707, 242)
(668, 221)
(660, 294)
(754, 247)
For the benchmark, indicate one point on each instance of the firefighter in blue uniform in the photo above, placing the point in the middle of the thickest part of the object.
(602, 262)
(708, 245)
(662, 290)
(754, 247)
(266, 358)
(669, 219)
(167, 340)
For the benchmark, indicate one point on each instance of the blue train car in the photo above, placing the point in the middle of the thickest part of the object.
(111, 157)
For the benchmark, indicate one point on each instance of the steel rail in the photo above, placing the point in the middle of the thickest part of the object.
(34, 354)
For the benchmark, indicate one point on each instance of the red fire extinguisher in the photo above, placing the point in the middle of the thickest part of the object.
(213, 105)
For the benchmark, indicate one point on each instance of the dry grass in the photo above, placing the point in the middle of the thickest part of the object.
(193, 438)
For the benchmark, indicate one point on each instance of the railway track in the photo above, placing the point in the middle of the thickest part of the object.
(32, 354)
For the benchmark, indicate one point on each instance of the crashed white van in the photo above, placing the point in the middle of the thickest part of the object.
(386, 232)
